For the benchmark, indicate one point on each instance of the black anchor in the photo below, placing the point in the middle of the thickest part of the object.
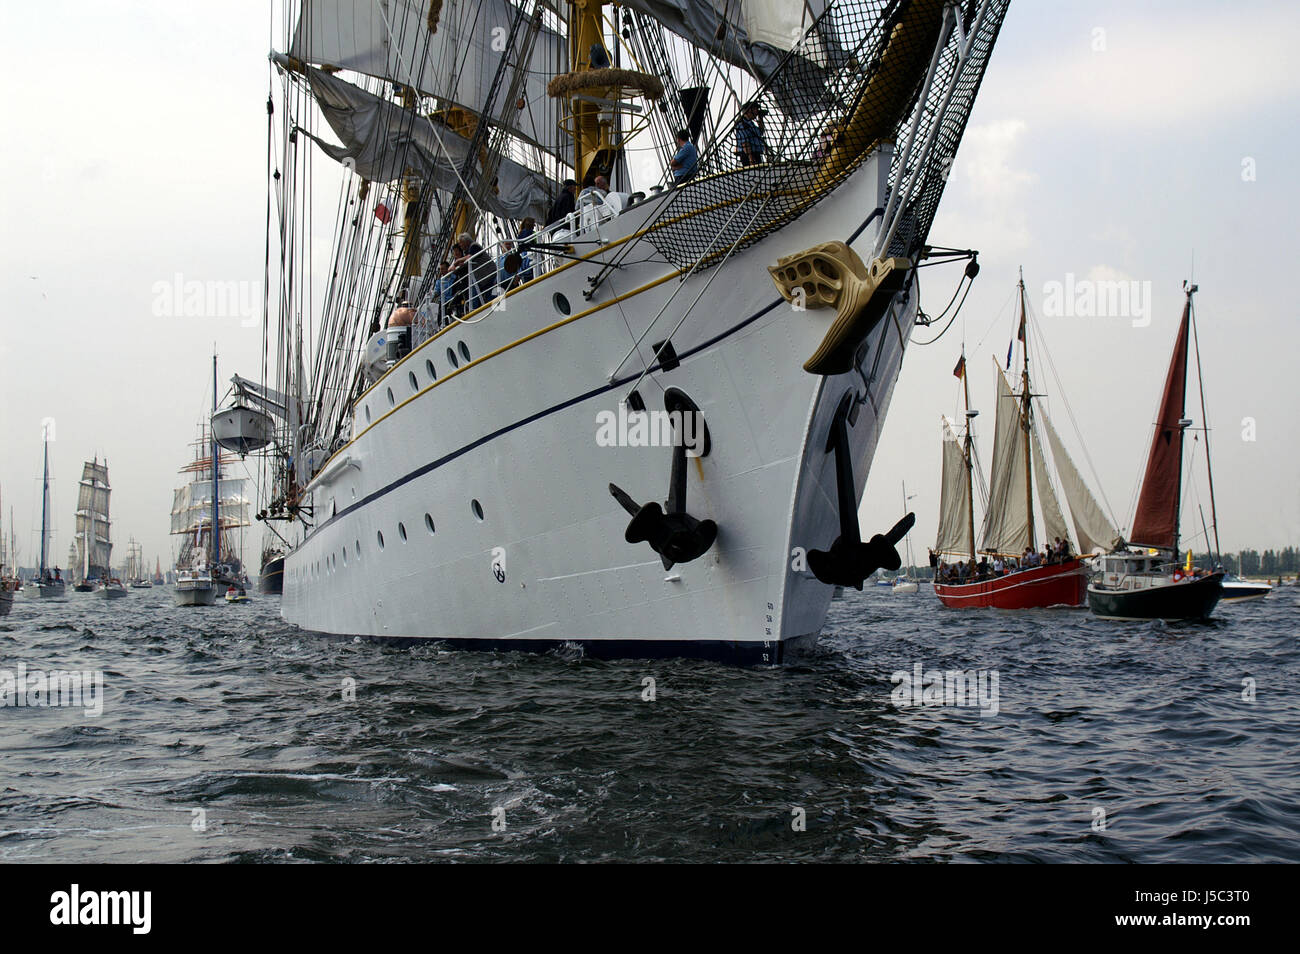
(674, 534)
(850, 561)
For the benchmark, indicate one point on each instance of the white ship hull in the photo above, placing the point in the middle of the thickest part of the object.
(515, 431)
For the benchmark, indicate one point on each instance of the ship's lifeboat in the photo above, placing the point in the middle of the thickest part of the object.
(242, 429)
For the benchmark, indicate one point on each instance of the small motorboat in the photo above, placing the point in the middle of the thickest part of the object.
(1237, 590)
(236, 594)
(111, 590)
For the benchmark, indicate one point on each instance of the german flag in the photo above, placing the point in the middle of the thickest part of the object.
(960, 370)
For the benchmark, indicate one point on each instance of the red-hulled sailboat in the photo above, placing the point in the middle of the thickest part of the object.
(1004, 579)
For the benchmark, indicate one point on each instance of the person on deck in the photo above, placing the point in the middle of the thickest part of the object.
(686, 159)
(445, 286)
(749, 136)
(469, 266)
(564, 204)
(510, 266)
(527, 231)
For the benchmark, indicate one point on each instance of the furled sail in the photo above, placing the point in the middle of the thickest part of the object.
(1156, 521)
(954, 522)
(1006, 525)
(754, 35)
(1091, 526)
(457, 63)
(1053, 522)
(381, 140)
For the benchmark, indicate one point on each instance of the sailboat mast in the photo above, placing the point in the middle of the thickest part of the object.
(1025, 396)
(1205, 425)
(45, 501)
(970, 481)
(90, 537)
(1178, 482)
(216, 477)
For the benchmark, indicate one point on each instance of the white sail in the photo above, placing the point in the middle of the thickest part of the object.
(93, 500)
(1053, 522)
(92, 518)
(1006, 526)
(95, 471)
(192, 505)
(1095, 532)
(954, 522)
(381, 140)
(457, 63)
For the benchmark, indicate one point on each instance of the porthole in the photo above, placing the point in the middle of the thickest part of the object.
(345, 556)
(428, 523)
(401, 531)
(464, 351)
(428, 367)
(415, 382)
(366, 408)
(561, 303)
(357, 545)
(451, 358)
(379, 538)
(391, 400)
(477, 508)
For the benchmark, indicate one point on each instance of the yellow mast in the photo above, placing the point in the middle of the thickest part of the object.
(591, 137)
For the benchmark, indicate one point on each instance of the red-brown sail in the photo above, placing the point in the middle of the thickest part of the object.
(1156, 521)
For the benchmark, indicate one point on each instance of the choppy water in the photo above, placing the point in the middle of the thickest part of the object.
(228, 711)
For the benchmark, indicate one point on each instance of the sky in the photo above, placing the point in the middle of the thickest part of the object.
(1145, 142)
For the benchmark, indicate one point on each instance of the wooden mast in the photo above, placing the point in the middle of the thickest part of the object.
(1025, 396)
(970, 491)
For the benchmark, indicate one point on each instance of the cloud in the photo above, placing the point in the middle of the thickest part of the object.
(991, 187)
(1129, 68)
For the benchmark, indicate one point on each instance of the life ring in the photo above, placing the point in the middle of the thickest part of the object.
(1179, 576)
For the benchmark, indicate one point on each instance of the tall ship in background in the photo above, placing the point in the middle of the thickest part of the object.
(1144, 577)
(209, 514)
(136, 572)
(93, 538)
(434, 465)
(1002, 578)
